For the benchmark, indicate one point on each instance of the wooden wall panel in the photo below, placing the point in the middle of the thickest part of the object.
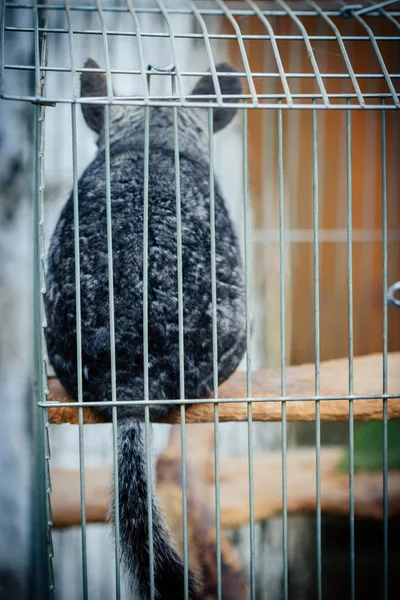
(366, 162)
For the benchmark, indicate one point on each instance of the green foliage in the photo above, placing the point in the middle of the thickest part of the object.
(368, 447)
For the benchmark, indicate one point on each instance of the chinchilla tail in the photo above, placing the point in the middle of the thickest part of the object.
(133, 525)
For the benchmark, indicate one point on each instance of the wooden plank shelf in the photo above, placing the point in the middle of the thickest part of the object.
(266, 383)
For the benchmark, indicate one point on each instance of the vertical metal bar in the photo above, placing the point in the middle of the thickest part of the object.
(42, 344)
(206, 38)
(350, 345)
(388, 16)
(215, 354)
(384, 365)
(317, 346)
(47, 457)
(227, 12)
(146, 90)
(246, 222)
(2, 36)
(78, 305)
(168, 21)
(369, 215)
(110, 95)
(378, 54)
(79, 351)
(44, 508)
(340, 249)
(310, 51)
(275, 50)
(75, 87)
(37, 51)
(112, 346)
(42, 561)
(342, 47)
(104, 40)
(146, 343)
(282, 320)
(181, 351)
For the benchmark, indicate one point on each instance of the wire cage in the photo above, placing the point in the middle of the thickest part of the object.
(312, 170)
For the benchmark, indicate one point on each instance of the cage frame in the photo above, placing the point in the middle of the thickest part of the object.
(177, 100)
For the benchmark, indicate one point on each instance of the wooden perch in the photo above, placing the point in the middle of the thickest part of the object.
(234, 488)
(300, 381)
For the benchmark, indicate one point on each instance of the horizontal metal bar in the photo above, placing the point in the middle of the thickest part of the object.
(214, 36)
(185, 11)
(203, 73)
(141, 402)
(196, 100)
(325, 235)
(265, 106)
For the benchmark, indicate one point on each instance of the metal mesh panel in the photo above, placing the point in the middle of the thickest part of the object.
(311, 28)
(66, 21)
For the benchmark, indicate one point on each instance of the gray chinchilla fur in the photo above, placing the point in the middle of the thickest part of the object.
(127, 134)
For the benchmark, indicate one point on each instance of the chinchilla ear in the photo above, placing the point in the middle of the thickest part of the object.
(93, 84)
(229, 85)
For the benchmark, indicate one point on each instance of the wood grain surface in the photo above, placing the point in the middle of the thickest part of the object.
(266, 383)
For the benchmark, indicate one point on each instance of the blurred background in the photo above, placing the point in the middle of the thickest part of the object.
(16, 267)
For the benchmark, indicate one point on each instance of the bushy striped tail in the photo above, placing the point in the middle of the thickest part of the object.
(134, 533)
